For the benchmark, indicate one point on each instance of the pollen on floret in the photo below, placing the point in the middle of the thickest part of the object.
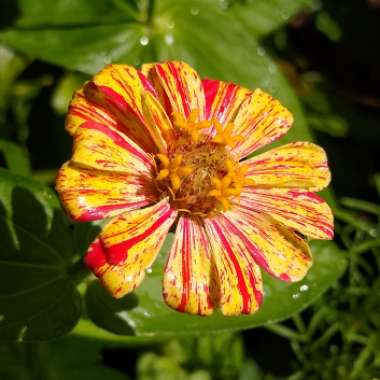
(200, 175)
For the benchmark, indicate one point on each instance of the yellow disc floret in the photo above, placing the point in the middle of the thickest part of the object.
(224, 135)
(192, 126)
(173, 169)
(200, 175)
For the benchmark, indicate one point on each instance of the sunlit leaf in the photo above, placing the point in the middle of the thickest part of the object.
(15, 157)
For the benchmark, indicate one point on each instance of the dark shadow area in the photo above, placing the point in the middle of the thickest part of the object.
(9, 13)
(272, 353)
(109, 313)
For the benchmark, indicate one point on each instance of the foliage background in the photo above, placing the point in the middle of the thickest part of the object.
(320, 58)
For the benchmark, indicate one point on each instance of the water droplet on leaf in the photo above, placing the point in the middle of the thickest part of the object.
(169, 39)
(144, 40)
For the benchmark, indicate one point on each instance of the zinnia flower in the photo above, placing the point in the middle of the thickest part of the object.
(159, 146)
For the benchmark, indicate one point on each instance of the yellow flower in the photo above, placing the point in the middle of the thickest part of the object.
(160, 146)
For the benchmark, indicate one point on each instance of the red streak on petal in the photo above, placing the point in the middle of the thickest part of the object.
(118, 140)
(185, 267)
(102, 212)
(95, 257)
(210, 88)
(146, 83)
(241, 283)
(227, 100)
(118, 253)
(180, 87)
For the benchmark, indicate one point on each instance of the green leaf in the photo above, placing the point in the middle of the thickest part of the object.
(16, 158)
(148, 316)
(192, 30)
(38, 298)
(261, 17)
(11, 66)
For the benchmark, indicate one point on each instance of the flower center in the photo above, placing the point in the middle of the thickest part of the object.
(198, 174)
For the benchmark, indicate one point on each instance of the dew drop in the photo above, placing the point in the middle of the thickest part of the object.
(144, 40)
(146, 314)
(149, 270)
(295, 296)
(261, 51)
(171, 25)
(223, 5)
(169, 39)
(304, 288)
(194, 11)
(272, 68)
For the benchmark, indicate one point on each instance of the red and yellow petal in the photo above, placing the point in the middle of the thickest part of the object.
(275, 248)
(89, 194)
(178, 86)
(113, 97)
(223, 100)
(300, 210)
(188, 270)
(157, 121)
(237, 284)
(105, 148)
(128, 245)
(260, 120)
(297, 165)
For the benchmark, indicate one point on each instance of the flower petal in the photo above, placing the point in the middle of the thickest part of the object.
(128, 245)
(178, 86)
(296, 165)
(105, 148)
(113, 97)
(277, 249)
(260, 120)
(223, 99)
(158, 122)
(238, 284)
(89, 194)
(300, 210)
(187, 272)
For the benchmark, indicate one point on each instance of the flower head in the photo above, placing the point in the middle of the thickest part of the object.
(160, 146)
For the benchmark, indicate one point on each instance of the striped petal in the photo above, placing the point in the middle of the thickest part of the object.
(223, 99)
(114, 98)
(260, 120)
(300, 210)
(128, 245)
(105, 148)
(89, 194)
(275, 248)
(158, 122)
(178, 86)
(297, 165)
(187, 272)
(238, 284)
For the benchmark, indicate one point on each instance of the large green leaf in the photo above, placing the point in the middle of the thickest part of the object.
(214, 40)
(262, 17)
(144, 313)
(38, 297)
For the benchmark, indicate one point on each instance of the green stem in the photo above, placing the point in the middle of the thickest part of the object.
(285, 332)
(366, 246)
(150, 12)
